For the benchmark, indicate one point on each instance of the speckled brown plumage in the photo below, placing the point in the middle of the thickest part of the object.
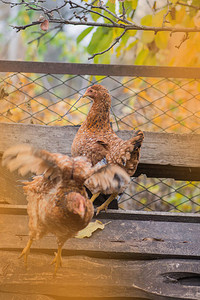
(57, 199)
(96, 139)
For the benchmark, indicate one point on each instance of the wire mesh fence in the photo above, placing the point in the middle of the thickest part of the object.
(156, 104)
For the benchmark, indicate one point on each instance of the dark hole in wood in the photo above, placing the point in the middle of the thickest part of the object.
(184, 278)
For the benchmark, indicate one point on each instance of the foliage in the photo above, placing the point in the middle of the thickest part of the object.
(55, 42)
(166, 34)
(153, 47)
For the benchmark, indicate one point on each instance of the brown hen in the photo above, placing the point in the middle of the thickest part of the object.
(57, 199)
(97, 141)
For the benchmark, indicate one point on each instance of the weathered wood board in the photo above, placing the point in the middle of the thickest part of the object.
(129, 259)
(162, 155)
(90, 278)
(121, 238)
(158, 148)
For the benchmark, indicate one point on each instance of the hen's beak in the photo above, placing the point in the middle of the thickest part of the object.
(80, 210)
(86, 94)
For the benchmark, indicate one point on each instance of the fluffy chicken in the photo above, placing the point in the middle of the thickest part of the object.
(57, 199)
(97, 141)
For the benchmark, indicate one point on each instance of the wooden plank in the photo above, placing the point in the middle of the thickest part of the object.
(98, 69)
(20, 296)
(121, 239)
(52, 138)
(181, 150)
(159, 149)
(85, 278)
(13, 209)
(119, 214)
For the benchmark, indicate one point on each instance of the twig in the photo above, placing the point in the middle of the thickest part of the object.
(42, 34)
(113, 44)
(75, 5)
(148, 3)
(166, 14)
(188, 5)
(185, 38)
(112, 14)
(123, 11)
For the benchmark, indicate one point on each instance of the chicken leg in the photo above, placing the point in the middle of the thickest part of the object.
(106, 203)
(94, 197)
(57, 259)
(26, 251)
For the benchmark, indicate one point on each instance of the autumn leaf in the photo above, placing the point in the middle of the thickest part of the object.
(3, 93)
(44, 25)
(92, 227)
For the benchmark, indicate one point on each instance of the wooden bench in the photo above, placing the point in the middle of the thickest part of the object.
(139, 255)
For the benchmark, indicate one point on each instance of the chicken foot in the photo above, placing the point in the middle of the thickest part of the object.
(57, 260)
(106, 203)
(26, 251)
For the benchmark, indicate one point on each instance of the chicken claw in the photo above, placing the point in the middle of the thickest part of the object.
(57, 260)
(104, 206)
(26, 251)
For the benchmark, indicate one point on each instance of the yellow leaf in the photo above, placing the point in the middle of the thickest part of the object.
(134, 3)
(157, 19)
(147, 37)
(161, 39)
(132, 32)
(146, 20)
(92, 227)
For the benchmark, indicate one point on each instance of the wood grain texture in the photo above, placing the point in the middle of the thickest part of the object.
(162, 156)
(119, 214)
(158, 148)
(82, 276)
(134, 239)
(23, 296)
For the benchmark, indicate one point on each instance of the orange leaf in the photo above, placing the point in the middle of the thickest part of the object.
(44, 25)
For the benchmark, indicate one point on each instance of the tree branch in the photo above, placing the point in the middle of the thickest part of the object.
(75, 5)
(108, 25)
(118, 22)
(113, 44)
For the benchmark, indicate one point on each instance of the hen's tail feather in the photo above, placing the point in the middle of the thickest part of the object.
(138, 142)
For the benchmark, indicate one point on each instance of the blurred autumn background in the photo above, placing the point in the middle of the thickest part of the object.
(151, 104)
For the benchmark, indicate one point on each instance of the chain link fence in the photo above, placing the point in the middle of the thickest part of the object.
(150, 103)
